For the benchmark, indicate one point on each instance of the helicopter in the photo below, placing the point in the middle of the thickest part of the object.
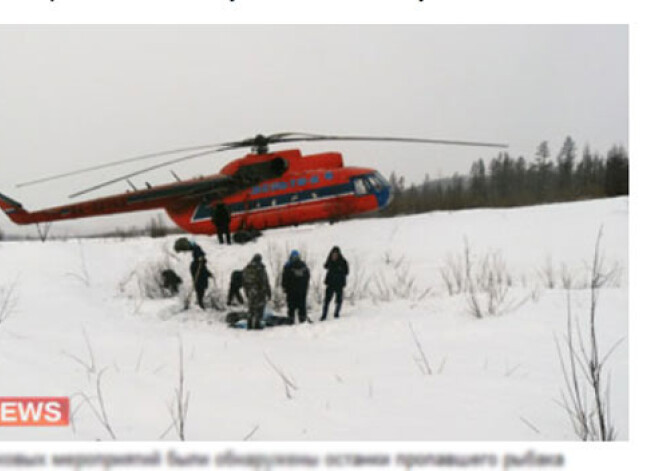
(264, 189)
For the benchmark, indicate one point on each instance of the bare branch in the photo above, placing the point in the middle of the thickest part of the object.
(426, 367)
(252, 432)
(530, 425)
(288, 384)
(589, 408)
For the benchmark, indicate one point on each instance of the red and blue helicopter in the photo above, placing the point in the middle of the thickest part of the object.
(262, 190)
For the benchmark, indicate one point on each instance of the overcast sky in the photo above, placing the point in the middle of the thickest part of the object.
(77, 96)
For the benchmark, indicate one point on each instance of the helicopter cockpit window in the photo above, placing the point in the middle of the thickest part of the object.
(381, 179)
(375, 183)
(360, 187)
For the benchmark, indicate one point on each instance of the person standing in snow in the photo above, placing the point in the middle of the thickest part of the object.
(295, 281)
(198, 269)
(221, 218)
(335, 280)
(257, 290)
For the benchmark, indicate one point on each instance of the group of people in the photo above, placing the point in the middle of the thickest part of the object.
(254, 281)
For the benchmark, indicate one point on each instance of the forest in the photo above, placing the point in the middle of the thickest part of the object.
(506, 181)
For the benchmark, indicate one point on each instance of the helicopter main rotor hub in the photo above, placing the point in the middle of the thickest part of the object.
(260, 144)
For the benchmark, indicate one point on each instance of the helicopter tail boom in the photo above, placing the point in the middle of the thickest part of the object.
(14, 210)
(99, 207)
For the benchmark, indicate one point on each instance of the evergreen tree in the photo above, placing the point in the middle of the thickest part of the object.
(616, 172)
(543, 170)
(478, 183)
(565, 164)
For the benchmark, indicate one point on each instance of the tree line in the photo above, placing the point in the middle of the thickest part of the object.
(506, 181)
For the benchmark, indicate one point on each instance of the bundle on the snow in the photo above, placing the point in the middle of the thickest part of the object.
(245, 236)
(170, 281)
(239, 319)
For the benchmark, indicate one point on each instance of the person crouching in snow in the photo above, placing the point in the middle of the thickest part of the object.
(198, 269)
(295, 281)
(235, 285)
(257, 290)
(335, 280)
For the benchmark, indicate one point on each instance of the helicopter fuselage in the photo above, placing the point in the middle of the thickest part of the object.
(310, 188)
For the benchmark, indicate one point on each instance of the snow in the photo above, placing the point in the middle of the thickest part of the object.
(356, 378)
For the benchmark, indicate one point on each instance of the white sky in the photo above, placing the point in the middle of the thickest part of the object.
(73, 96)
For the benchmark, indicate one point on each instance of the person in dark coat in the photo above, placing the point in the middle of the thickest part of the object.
(295, 281)
(335, 280)
(257, 290)
(221, 218)
(235, 286)
(170, 281)
(198, 269)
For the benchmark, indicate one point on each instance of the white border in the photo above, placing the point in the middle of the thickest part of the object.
(644, 235)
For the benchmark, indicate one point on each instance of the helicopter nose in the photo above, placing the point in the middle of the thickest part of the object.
(384, 196)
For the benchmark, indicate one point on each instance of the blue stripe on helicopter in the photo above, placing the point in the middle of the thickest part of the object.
(203, 211)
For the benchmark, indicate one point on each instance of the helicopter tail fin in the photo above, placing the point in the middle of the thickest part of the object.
(14, 210)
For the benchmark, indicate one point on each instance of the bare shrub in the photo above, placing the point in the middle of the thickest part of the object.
(453, 274)
(393, 260)
(548, 273)
(487, 283)
(584, 398)
(382, 289)
(97, 405)
(404, 282)
(83, 274)
(535, 293)
(317, 287)
(566, 277)
(156, 227)
(148, 277)
(179, 407)
(8, 300)
(88, 364)
(395, 282)
(422, 362)
(277, 257)
(358, 282)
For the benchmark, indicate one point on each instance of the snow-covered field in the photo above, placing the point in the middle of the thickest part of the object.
(79, 315)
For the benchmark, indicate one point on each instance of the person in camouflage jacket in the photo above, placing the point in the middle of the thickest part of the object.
(257, 290)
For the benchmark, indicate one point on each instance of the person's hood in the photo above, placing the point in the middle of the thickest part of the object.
(335, 249)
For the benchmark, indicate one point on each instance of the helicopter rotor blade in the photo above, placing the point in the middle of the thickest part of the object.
(259, 141)
(114, 163)
(304, 137)
(148, 169)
